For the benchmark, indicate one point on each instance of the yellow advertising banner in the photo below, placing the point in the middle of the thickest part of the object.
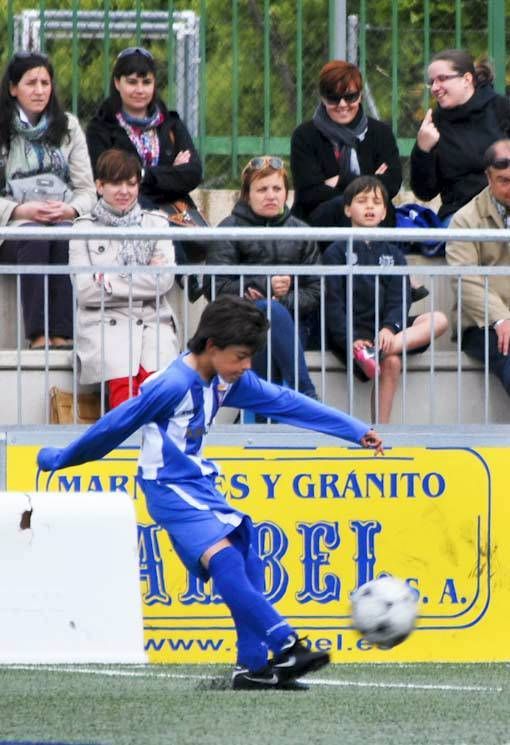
(326, 521)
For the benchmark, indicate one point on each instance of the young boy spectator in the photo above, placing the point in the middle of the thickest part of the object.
(176, 408)
(366, 203)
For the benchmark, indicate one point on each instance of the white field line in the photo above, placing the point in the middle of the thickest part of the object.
(310, 681)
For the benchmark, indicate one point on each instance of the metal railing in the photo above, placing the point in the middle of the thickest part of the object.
(327, 371)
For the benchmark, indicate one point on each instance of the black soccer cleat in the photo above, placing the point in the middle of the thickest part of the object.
(264, 679)
(296, 660)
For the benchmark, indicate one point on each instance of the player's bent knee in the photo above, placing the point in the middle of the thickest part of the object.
(212, 550)
(440, 322)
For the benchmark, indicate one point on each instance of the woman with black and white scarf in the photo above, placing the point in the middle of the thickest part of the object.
(338, 144)
(126, 325)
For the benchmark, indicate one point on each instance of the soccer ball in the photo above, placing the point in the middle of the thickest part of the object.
(384, 611)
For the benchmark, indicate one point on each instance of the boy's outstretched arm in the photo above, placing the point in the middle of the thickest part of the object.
(373, 441)
(109, 431)
(288, 406)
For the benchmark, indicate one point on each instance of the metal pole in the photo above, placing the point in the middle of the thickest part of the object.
(339, 29)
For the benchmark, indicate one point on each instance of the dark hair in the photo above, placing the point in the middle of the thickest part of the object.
(20, 64)
(336, 76)
(250, 174)
(116, 165)
(132, 64)
(362, 184)
(490, 156)
(484, 72)
(463, 62)
(230, 320)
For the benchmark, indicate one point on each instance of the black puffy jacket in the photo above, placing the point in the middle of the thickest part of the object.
(268, 252)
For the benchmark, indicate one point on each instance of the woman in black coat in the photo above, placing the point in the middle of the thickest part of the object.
(337, 145)
(133, 118)
(262, 203)
(448, 157)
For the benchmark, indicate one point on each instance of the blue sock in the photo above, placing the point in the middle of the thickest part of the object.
(251, 651)
(254, 617)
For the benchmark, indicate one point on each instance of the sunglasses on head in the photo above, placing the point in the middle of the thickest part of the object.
(257, 164)
(27, 54)
(500, 163)
(350, 97)
(135, 50)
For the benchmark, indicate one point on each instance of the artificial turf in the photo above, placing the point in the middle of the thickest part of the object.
(422, 704)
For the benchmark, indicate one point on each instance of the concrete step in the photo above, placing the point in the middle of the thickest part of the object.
(438, 395)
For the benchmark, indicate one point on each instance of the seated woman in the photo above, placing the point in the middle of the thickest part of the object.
(46, 180)
(338, 144)
(135, 119)
(126, 326)
(262, 203)
(448, 157)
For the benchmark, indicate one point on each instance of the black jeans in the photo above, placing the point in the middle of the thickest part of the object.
(60, 295)
(473, 343)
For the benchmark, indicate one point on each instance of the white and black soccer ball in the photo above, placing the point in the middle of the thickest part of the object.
(384, 611)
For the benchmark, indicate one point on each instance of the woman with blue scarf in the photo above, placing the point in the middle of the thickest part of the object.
(45, 179)
(133, 118)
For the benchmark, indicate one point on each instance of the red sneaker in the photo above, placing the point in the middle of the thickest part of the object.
(365, 358)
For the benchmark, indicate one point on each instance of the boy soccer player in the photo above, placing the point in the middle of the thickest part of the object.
(176, 408)
(366, 203)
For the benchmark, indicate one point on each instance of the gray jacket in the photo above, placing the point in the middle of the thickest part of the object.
(75, 150)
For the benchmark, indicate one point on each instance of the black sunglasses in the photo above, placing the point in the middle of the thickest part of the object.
(499, 163)
(347, 97)
(135, 50)
(257, 164)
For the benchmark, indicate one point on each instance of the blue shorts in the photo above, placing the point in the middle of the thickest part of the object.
(196, 516)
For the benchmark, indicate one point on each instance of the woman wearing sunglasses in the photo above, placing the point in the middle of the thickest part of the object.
(262, 203)
(45, 180)
(338, 144)
(448, 157)
(135, 119)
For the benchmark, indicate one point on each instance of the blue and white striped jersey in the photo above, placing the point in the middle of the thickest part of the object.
(176, 409)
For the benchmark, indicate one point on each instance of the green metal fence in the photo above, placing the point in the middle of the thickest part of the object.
(250, 71)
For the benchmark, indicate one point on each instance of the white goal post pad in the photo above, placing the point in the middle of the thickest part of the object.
(69, 579)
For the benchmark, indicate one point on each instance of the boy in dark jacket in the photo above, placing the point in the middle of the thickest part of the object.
(379, 332)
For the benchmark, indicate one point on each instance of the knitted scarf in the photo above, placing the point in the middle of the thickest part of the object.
(344, 139)
(143, 134)
(29, 154)
(130, 251)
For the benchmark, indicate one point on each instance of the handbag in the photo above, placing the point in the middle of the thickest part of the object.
(42, 187)
(62, 407)
(181, 214)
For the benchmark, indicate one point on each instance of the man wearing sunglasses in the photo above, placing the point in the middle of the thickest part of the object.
(490, 209)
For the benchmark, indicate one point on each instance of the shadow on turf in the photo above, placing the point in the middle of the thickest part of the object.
(213, 684)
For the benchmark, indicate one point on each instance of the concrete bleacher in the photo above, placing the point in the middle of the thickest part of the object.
(422, 388)
(38, 373)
